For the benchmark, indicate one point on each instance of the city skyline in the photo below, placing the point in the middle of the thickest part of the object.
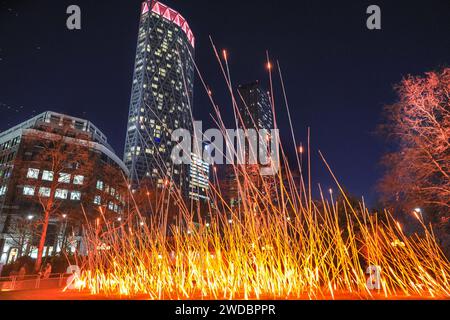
(271, 150)
(69, 89)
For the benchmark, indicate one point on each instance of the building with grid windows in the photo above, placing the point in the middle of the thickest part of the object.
(198, 178)
(161, 98)
(255, 107)
(41, 159)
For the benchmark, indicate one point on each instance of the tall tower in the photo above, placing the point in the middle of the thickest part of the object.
(162, 96)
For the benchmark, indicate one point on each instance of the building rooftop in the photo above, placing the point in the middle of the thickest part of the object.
(171, 15)
(58, 118)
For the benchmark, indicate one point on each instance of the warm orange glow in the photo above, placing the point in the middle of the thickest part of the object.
(276, 243)
(264, 255)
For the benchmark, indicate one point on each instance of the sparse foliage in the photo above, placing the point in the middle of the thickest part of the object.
(418, 170)
(60, 155)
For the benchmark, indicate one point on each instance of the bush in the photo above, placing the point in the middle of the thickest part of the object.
(61, 262)
(28, 262)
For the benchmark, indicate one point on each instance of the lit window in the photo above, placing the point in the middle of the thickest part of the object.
(78, 180)
(98, 200)
(3, 190)
(100, 185)
(47, 175)
(111, 206)
(75, 195)
(33, 173)
(28, 191)
(64, 178)
(44, 192)
(61, 194)
(113, 191)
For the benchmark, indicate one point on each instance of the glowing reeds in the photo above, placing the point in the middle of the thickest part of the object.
(277, 243)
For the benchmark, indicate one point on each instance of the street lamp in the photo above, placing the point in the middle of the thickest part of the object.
(30, 217)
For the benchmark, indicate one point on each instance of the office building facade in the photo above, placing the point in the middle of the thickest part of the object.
(62, 159)
(255, 107)
(199, 177)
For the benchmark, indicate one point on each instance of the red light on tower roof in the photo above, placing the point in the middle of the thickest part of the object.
(171, 15)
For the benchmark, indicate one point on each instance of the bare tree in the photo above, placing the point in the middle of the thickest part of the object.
(62, 155)
(22, 229)
(418, 170)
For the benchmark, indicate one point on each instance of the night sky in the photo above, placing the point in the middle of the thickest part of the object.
(338, 74)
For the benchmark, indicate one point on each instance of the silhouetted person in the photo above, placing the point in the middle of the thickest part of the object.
(22, 272)
(47, 271)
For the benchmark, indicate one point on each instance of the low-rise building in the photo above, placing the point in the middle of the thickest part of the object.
(59, 163)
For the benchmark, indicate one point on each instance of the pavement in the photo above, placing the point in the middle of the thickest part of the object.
(74, 295)
(57, 294)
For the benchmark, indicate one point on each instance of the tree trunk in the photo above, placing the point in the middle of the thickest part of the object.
(38, 263)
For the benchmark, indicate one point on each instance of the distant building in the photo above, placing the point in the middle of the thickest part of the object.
(199, 177)
(255, 107)
(27, 179)
(162, 96)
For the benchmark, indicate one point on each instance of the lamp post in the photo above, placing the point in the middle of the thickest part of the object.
(63, 243)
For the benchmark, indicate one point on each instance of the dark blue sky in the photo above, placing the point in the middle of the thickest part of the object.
(338, 74)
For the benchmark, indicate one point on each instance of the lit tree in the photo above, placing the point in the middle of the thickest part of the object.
(20, 230)
(65, 155)
(418, 170)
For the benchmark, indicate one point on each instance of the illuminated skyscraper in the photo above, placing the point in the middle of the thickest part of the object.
(255, 107)
(162, 95)
(198, 178)
(255, 110)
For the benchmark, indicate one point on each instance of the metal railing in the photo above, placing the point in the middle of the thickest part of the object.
(33, 282)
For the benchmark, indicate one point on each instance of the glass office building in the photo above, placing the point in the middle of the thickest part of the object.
(162, 96)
